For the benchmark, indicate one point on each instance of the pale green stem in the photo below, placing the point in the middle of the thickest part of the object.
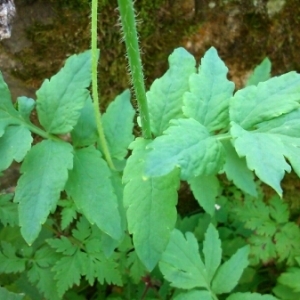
(102, 140)
(135, 64)
(223, 136)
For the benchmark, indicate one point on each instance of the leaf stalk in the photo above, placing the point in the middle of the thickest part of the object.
(95, 95)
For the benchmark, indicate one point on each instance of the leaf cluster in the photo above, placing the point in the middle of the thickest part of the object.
(76, 227)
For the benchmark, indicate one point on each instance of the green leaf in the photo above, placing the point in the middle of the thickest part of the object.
(7, 295)
(14, 145)
(262, 249)
(212, 251)
(256, 216)
(261, 73)
(8, 210)
(264, 153)
(273, 140)
(151, 206)
(68, 212)
(236, 170)
(43, 279)
(118, 187)
(118, 125)
(291, 278)
(205, 190)
(285, 293)
(270, 99)
(5, 96)
(60, 99)
(230, 272)
(210, 91)
(96, 265)
(279, 210)
(108, 244)
(188, 145)
(90, 187)
(165, 97)
(181, 263)
(8, 114)
(68, 271)
(250, 296)
(63, 245)
(40, 273)
(85, 131)
(25, 107)
(45, 172)
(287, 243)
(194, 295)
(166, 93)
(137, 269)
(10, 262)
(83, 230)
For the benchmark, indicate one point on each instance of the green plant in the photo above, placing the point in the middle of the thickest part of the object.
(97, 222)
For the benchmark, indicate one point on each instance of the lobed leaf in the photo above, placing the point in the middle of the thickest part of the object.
(194, 295)
(210, 92)
(181, 263)
(25, 107)
(85, 131)
(8, 210)
(8, 114)
(236, 170)
(165, 97)
(151, 206)
(83, 230)
(68, 213)
(45, 172)
(279, 210)
(212, 251)
(285, 293)
(291, 278)
(10, 262)
(89, 185)
(118, 125)
(188, 145)
(205, 190)
(137, 269)
(287, 243)
(261, 73)
(62, 245)
(229, 273)
(5, 294)
(264, 153)
(60, 99)
(267, 148)
(68, 271)
(97, 266)
(43, 279)
(262, 249)
(255, 214)
(270, 99)
(286, 129)
(40, 272)
(14, 145)
(250, 296)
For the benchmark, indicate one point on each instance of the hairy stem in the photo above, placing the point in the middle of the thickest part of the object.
(95, 54)
(135, 64)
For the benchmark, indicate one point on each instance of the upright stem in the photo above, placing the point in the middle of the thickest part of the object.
(135, 63)
(95, 54)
